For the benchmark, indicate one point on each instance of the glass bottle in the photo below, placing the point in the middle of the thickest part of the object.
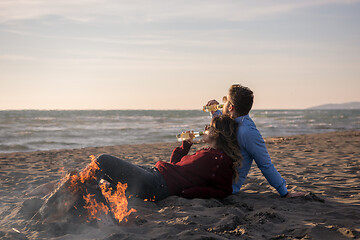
(186, 135)
(213, 108)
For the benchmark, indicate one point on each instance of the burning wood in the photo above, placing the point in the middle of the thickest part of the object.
(150, 199)
(86, 176)
(80, 195)
(117, 201)
(94, 208)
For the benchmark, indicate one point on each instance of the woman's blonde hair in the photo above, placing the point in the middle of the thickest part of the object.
(225, 129)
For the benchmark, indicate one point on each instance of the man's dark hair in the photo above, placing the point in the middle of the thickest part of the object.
(242, 98)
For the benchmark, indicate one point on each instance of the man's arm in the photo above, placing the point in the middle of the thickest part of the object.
(255, 146)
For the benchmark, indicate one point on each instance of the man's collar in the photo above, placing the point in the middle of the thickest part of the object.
(241, 118)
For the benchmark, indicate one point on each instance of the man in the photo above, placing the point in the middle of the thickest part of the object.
(237, 104)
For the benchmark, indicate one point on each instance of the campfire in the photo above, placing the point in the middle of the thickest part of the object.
(116, 200)
(81, 195)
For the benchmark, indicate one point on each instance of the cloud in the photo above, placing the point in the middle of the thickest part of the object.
(152, 11)
(12, 57)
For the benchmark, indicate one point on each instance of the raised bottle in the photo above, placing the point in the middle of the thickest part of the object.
(213, 108)
(188, 135)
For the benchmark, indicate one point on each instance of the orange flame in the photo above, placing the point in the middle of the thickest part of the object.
(116, 199)
(94, 208)
(150, 199)
(85, 175)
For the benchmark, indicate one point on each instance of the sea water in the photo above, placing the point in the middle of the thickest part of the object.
(31, 130)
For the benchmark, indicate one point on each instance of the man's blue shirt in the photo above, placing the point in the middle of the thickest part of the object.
(253, 147)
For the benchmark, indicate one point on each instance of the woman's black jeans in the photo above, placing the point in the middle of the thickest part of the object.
(143, 182)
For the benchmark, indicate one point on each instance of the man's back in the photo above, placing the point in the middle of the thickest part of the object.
(253, 148)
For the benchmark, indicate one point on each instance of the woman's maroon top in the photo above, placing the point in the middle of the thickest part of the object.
(205, 174)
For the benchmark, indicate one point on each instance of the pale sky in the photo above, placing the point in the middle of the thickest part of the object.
(141, 54)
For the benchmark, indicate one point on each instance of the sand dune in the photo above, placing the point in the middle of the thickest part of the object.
(326, 166)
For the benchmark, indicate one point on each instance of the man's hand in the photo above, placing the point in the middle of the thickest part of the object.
(295, 194)
(212, 102)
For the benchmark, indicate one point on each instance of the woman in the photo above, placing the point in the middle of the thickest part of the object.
(208, 173)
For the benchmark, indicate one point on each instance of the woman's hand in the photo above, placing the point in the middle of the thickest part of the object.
(190, 141)
(192, 136)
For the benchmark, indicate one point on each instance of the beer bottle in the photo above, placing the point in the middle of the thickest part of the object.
(213, 108)
(187, 135)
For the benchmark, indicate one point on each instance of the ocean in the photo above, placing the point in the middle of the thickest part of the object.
(31, 130)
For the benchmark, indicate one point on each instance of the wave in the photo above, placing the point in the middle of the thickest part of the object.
(44, 130)
(14, 148)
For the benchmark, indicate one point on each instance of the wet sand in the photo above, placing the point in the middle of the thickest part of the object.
(326, 166)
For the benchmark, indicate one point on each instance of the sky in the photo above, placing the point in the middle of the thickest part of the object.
(140, 54)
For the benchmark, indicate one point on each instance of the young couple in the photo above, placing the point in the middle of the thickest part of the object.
(214, 172)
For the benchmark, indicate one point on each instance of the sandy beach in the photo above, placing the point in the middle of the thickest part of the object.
(326, 166)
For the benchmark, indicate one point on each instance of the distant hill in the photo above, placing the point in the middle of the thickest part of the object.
(348, 105)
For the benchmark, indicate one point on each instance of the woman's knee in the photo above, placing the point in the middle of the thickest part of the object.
(103, 160)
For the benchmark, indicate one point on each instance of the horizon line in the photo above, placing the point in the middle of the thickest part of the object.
(163, 109)
(138, 109)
